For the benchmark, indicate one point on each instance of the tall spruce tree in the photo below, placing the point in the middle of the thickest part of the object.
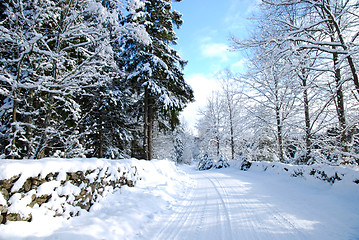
(154, 70)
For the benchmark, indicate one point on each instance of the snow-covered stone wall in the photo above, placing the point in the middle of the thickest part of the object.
(330, 174)
(59, 187)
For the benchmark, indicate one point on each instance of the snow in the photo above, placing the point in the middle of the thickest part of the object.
(232, 204)
(32, 168)
(331, 174)
(116, 216)
(2, 200)
(47, 187)
(173, 202)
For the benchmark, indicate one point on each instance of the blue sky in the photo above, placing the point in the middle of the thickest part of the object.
(204, 42)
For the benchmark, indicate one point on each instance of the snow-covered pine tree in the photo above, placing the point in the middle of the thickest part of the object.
(222, 162)
(105, 129)
(59, 51)
(205, 163)
(178, 146)
(155, 70)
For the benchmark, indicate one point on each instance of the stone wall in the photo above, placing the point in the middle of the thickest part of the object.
(326, 173)
(60, 193)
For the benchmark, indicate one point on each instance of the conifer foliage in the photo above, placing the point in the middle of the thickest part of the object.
(72, 70)
(153, 69)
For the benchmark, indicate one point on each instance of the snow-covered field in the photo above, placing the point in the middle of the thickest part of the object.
(217, 204)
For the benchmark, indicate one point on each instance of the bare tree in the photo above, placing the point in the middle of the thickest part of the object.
(210, 126)
(304, 37)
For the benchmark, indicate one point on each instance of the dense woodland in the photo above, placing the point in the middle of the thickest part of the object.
(99, 78)
(88, 78)
(299, 100)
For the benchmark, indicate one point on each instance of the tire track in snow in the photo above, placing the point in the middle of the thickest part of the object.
(258, 221)
(178, 219)
(224, 206)
(235, 190)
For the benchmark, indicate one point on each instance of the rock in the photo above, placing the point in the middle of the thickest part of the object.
(8, 183)
(5, 193)
(13, 217)
(130, 183)
(17, 217)
(51, 176)
(27, 185)
(37, 181)
(88, 195)
(3, 209)
(85, 206)
(40, 200)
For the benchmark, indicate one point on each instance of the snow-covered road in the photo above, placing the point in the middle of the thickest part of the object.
(226, 204)
(231, 204)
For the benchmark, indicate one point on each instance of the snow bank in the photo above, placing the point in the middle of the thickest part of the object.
(330, 174)
(59, 187)
(119, 215)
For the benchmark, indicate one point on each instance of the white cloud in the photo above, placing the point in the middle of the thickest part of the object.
(239, 66)
(205, 39)
(203, 87)
(215, 50)
(238, 14)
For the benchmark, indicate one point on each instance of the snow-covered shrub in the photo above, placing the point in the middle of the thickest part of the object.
(245, 165)
(205, 163)
(323, 172)
(222, 162)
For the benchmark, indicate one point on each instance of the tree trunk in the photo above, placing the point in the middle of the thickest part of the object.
(218, 146)
(279, 135)
(279, 122)
(148, 126)
(308, 134)
(100, 138)
(43, 141)
(232, 139)
(340, 103)
(29, 118)
(40, 150)
(335, 27)
(145, 127)
(13, 141)
(151, 120)
(16, 94)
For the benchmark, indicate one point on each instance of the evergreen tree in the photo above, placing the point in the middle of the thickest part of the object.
(178, 146)
(59, 50)
(222, 162)
(154, 69)
(205, 163)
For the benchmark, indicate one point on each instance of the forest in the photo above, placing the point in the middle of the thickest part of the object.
(94, 142)
(298, 102)
(88, 78)
(100, 78)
